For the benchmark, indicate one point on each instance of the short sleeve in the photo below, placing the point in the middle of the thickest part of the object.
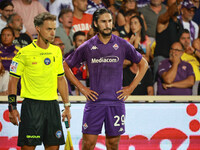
(60, 70)
(17, 65)
(77, 56)
(131, 53)
(162, 67)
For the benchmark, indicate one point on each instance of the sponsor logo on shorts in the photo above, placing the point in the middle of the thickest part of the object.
(121, 129)
(33, 136)
(47, 61)
(13, 66)
(85, 126)
(115, 46)
(107, 59)
(58, 134)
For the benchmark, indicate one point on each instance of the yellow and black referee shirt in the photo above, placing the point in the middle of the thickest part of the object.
(38, 69)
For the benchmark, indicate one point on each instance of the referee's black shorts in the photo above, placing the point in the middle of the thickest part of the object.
(40, 122)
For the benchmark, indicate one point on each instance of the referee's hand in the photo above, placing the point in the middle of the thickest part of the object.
(14, 117)
(66, 113)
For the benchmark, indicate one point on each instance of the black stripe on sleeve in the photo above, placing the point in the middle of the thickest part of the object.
(14, 75)
(61, 74)
(33, 44)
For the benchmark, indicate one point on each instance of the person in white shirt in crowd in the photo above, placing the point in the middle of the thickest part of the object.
(187, 14)
(55, 6)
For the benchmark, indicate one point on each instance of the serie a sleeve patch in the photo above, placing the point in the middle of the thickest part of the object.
(13, 66)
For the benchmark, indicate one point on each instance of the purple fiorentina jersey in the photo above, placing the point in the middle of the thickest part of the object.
(105, 64)
(184, 71)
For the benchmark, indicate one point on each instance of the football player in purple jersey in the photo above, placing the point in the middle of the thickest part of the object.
(104, 54)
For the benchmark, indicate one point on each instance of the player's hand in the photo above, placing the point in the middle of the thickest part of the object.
(124, 93)
(66, 113)
(14, 117)
(89, 94)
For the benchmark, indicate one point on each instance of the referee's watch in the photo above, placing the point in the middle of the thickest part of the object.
(67, 104)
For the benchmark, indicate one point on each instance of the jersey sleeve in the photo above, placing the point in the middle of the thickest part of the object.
(190, 70)
(163, 67)
(131, 53)
(77, 57)
(60, 70)
(17, 65)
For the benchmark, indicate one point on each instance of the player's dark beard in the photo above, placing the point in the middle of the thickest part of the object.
(106, 34)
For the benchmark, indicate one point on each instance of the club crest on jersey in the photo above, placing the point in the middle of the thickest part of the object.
(85, 126)
(115, 46)
(184, 67)
(47, 61)
(58, 134)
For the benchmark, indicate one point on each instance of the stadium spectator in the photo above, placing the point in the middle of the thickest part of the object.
(40, 66)
(151, 13)
(93, 5)
(176, 77)
(55, 6)
(187, 14)
(145, 87)
(125, 29)
(197, 11)
(6, 9)
(142, 3)
(7, 49)
(21, 39)
(58, 42)
(28, 9)
(196, 52)
(196, 45)
(114, 8)
(4, 79)
(168, 31)
(188, 54)
(138, 37)
(81, 20)
(126, 6)
(65, 31)
(104, 54)
(79, 70)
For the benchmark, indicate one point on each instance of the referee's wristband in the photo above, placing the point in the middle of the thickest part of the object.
(12, 101)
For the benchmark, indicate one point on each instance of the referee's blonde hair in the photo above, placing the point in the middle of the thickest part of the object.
(40, 18)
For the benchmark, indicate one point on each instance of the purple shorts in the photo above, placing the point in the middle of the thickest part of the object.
(113, 118)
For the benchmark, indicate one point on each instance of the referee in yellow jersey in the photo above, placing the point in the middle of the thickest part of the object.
(40, 67)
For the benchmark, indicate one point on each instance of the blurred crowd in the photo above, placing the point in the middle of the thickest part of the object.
(165, 32)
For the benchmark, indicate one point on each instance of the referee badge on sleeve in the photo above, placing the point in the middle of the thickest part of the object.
(13, 66)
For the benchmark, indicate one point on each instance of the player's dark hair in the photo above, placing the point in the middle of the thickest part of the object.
(77, 34)
(39, 19)
(96, 16)
(5, 3)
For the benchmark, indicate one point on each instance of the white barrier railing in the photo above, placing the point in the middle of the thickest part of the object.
(164, 98)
